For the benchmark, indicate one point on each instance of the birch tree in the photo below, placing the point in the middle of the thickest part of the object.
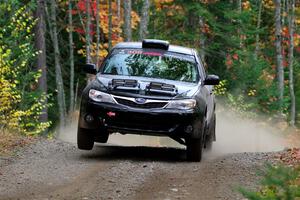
(127, 20)
(239, 2)
(278, 46)
(97, 31)
(202, 39)
(119, 8)
(291, 22)
(87, 32)
(257, 48)
(71, 49)
(40, 44)
(58, 73)
(109, 24)
(144, 19)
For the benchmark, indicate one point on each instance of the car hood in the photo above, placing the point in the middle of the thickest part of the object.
(184, 89)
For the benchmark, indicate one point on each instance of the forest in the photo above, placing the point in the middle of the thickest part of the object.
(253, 45)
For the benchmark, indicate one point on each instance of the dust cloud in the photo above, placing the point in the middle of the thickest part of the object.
(234, 135)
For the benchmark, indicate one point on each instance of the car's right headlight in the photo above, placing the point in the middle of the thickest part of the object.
(98, 96)
(185, 104)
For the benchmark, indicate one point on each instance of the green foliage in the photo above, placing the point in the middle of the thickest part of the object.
(238, 104)
(221, 89)
(21, 102)
(279, 182)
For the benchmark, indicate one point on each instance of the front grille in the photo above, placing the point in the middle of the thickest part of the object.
(136, 105)
(143, 121)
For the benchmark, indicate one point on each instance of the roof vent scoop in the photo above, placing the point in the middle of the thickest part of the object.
(155, 44)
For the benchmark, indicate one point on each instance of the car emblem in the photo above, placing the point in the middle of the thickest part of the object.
(140, 100)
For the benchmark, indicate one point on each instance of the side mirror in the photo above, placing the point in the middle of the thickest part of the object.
(90, 68)
(212, 80)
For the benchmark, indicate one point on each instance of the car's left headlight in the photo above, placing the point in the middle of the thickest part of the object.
(98, 96)
(185, 104)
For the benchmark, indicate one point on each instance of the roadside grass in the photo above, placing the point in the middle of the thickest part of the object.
(11, 142)
(280, 179)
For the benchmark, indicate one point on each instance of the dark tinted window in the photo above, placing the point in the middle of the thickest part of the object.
(152, 63)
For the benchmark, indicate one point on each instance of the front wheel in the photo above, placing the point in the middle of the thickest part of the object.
(211, 137)
(194, 148)
(101, 135)
(85, 139)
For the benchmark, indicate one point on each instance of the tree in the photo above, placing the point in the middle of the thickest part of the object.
(40, 45)
(116, 31)
(110, 24)
(144, 19)
(127, 20)
(58, 73)
(88, 31)
(119, 8)
(202, 38)
(21, 101)
(97, 31)
(258, 28)
(71, 49)
(279, 57)
(291, 21)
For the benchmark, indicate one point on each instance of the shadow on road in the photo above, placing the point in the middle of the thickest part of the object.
(135, 153)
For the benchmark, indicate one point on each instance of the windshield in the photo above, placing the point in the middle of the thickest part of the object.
(151, 63)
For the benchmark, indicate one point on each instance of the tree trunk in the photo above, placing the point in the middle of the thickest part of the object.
(40, 44)
(144, 20)
(202, 39)
(279, 58)
(97, 32)
(127, 20)
(88, 31)
(119, 9)
(71, 49)
(109, 24)
(291, 21)
(58, 73)
(76, 94)
(240, 23)
(257, 48)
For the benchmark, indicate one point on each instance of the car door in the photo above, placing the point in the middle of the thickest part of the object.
(206, 89)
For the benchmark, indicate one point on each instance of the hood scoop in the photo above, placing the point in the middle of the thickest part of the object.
(159, 88)
(123, 84)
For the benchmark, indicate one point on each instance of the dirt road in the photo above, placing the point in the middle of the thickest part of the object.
(133, 167)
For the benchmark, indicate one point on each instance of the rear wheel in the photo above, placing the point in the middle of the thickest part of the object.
(85, 139)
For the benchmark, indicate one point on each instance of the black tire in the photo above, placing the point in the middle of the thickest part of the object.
(194, 144)
(101, 136)
(85, 139)
(194, 148)
(211, 137)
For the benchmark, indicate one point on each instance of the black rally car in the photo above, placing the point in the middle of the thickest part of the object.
(149, 88)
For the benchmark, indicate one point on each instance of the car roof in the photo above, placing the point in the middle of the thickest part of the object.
(138, 45)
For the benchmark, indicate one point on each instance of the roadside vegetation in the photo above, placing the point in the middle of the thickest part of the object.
(280, 180)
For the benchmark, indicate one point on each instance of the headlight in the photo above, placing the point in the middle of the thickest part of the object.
(98, 96)
(185, 104)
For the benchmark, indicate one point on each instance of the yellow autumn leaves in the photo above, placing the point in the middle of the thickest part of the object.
(15, 115)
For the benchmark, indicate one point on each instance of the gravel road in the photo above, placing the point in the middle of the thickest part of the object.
(135, 167)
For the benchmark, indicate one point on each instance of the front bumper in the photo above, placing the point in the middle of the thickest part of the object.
(123, 119)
